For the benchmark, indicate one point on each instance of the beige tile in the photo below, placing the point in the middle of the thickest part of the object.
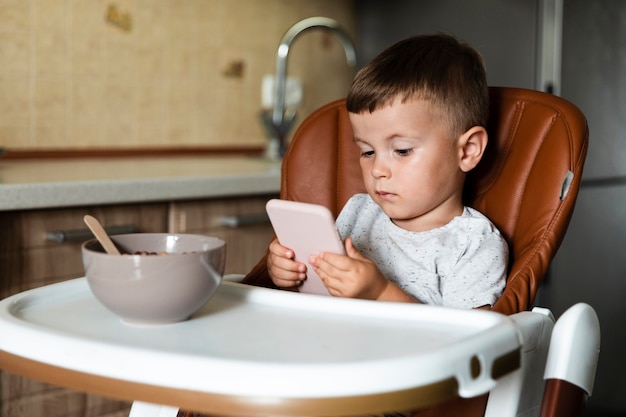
(182, 61)
(118, 135)
(151, 21)
(152, 133)
(14, 100)
(151, 60)
(87, 55)
(181, 96)
(15, 14)
(87, 17)
(51, 99)
(119, 58)
(119, 102)
(88, 101)
(119, 17)
(151, 107)
(51, 14)
(180, 134)
(163, 82)
(51, 55)
(260, 26)
(87, 135)
(237, 16)
(209, 61)
(15, 136)
(51, 134)
(183, 20)
(119, 115)
(211, 19)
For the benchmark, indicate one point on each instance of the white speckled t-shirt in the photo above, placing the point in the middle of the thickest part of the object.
(462, 264)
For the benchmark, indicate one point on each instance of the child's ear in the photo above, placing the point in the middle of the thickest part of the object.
(472, 146)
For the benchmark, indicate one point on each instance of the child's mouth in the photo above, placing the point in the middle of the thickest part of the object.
(385, 195)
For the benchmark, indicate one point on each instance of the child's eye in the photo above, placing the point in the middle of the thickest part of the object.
(367, 154)
(404, 152)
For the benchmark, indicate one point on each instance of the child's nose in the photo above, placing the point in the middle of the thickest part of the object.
(380, 168)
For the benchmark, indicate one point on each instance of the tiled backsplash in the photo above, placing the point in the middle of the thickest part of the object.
(89, 74)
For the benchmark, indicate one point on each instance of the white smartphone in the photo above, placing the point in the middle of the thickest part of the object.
(307, 229)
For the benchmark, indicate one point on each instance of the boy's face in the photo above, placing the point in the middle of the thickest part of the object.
(410, 164)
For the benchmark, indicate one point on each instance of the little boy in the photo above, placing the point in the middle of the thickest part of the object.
(418, 112)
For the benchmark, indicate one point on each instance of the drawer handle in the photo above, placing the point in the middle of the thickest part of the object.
(245, 220)
(61, 236)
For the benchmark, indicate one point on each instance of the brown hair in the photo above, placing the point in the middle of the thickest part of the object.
(435, 67)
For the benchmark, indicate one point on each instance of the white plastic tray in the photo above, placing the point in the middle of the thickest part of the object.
(255, 342)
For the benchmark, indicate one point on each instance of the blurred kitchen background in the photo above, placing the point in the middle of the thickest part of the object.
(132, 74)
(88, 74)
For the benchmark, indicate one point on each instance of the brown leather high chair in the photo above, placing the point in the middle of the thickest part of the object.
(526, 184)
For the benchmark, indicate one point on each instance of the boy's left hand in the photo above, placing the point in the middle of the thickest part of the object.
(351, 275)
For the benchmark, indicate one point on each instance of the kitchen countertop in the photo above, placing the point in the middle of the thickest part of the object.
(48, 183)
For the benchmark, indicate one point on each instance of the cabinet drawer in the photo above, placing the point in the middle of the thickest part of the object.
(34, 225)
(28, 259)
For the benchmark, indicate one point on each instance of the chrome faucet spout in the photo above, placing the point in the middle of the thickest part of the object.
(324, 23)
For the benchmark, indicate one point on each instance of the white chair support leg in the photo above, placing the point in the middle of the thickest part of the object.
(575, 347)
(572, 360)
(141, 409)
(520, 393)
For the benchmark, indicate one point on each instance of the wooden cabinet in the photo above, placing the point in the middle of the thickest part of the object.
(241, 222)
(29, 259)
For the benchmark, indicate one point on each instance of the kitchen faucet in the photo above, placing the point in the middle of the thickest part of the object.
(278, 122)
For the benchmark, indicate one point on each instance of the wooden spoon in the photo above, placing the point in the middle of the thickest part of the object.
(100, 234)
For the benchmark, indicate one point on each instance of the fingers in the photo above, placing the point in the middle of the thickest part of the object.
(348, 276)
(283, 269)
(333, 262)
(332, 270)
(351, 251)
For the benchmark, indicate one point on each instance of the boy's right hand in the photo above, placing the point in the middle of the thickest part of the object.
(283, 269)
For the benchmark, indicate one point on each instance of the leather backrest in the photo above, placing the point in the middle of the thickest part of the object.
(535, 139)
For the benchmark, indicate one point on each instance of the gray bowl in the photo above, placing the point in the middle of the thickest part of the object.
(158, 288)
